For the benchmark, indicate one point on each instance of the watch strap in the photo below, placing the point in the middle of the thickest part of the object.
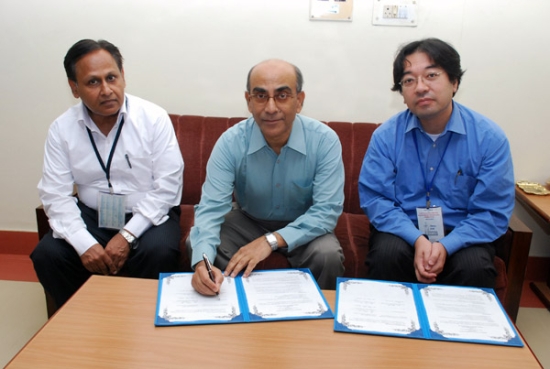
(272, 241)
(130, 238)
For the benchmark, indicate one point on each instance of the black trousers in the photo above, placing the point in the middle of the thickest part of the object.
(61, 272)
(391, 258)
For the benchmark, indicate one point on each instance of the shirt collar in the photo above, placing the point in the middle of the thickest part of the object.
(455, 123)
(83, 117)
(296, 141)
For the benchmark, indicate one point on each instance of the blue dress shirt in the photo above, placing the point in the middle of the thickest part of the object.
(474, 184)
(304, 184)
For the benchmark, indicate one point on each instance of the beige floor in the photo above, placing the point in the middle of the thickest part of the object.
(23, 312)
(534, 324)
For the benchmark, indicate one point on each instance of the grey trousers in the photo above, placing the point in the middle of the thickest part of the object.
(323, 255)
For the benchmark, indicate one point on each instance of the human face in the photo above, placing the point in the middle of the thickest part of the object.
(100, 85)
(274, 118)
(429, 100)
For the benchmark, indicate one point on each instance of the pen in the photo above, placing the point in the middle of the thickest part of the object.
(128, 160)
(458, 174)
(209, 268)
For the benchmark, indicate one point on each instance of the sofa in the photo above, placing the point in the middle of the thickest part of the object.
(198, 134)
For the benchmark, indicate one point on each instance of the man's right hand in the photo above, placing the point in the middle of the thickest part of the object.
(201, 281)
(422, 253)
(96, 260)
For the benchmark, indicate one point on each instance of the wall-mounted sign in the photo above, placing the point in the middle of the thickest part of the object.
(338, 10)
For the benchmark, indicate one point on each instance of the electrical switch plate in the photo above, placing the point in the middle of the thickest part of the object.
(390, 11)
(395, 13)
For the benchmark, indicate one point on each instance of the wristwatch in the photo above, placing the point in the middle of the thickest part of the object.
(130, 238)
(272, 241)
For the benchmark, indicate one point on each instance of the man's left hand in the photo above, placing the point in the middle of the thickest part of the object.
(118, 249)
(437, 258)
(248, 257)
(422, 253)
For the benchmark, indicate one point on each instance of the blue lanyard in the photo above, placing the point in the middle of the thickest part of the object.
(426, 184)
(107, 169)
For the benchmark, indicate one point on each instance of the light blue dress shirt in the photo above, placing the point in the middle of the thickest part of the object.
(474, 184)
(304, 184)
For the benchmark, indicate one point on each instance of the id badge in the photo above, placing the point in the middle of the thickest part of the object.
(111, 209)
(430, 222)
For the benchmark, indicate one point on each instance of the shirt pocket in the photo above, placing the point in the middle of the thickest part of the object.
(139, 171)
(461, 190)
(301, 196)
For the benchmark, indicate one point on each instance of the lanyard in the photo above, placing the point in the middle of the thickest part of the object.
(426, 184)
(107, 169)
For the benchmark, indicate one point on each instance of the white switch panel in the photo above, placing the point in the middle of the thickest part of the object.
(390, 11)
(395, 13)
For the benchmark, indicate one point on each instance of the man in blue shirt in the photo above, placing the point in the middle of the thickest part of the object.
(286, 175)
(437, 180)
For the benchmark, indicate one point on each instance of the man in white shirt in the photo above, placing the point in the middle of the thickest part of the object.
(121, 154)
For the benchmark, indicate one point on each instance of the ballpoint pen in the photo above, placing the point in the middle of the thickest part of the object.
(128, 160)
(209, 268)
(458, 174)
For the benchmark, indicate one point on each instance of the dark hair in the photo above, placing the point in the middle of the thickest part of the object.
(86, 46)
(442, 54)
(299, 78)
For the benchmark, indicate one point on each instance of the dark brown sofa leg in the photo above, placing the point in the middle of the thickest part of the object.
(50, 304)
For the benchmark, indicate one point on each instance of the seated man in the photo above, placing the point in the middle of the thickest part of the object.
(121, 154)
(437, 180)
(286, 174)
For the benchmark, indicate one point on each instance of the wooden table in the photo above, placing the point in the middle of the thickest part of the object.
(108, 323)
(539, 207)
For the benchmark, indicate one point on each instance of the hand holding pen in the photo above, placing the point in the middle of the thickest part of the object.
(209, 268)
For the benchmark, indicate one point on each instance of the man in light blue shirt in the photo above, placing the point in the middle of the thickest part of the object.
(286, 175)
(437, 161)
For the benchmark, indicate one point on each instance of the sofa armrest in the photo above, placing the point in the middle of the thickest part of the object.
(515, 257)
(42, 222)
(43, 228)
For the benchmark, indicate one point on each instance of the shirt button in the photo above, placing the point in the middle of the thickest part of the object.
(278, 185)
(278, 161)
(277, 207)
(431, 168)
(434, 145)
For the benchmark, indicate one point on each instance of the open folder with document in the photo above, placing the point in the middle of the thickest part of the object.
(284, 294)
(434, 312)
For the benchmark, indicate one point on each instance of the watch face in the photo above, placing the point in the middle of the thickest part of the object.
(132, 241)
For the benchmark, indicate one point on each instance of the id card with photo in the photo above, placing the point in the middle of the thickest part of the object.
(111, 209)
(430, 222)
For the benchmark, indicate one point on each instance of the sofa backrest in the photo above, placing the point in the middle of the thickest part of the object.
(197, 135)
(355, 138)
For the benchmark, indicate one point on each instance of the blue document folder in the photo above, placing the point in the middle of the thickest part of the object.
(283, 294)
(426, 311)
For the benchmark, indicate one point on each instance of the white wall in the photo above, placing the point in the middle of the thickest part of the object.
(192, 56)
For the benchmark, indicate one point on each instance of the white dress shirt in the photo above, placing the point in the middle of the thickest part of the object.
(147, 166)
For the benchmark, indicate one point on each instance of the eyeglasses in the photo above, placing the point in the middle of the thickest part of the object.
(428, 79)
(262, 98)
